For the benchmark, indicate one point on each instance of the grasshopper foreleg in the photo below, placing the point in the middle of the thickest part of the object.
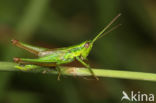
(87, 66)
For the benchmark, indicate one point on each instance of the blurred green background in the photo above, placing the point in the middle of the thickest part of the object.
(60, 23)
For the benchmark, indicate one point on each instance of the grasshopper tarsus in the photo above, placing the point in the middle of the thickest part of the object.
(89, 78)
(44, 72)
(93, 74)
(96, 78)
(58, 78)
(59, 73)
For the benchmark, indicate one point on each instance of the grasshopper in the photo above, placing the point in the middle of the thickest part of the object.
(58, 56)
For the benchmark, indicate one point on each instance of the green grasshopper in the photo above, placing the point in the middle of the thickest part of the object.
(58, 56)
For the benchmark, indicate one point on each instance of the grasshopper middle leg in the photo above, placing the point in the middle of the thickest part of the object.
(59, 72)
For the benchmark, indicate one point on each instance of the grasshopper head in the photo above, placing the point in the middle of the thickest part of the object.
(87, 46)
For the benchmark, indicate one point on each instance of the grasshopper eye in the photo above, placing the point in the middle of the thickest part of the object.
(87, 45)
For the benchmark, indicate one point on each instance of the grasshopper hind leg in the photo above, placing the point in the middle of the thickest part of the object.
(35, 62)
(32, 49)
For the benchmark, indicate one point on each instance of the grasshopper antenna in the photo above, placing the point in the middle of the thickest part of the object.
(115, 18)
(112, 29)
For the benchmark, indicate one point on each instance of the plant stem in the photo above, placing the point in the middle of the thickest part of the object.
(77, 71)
